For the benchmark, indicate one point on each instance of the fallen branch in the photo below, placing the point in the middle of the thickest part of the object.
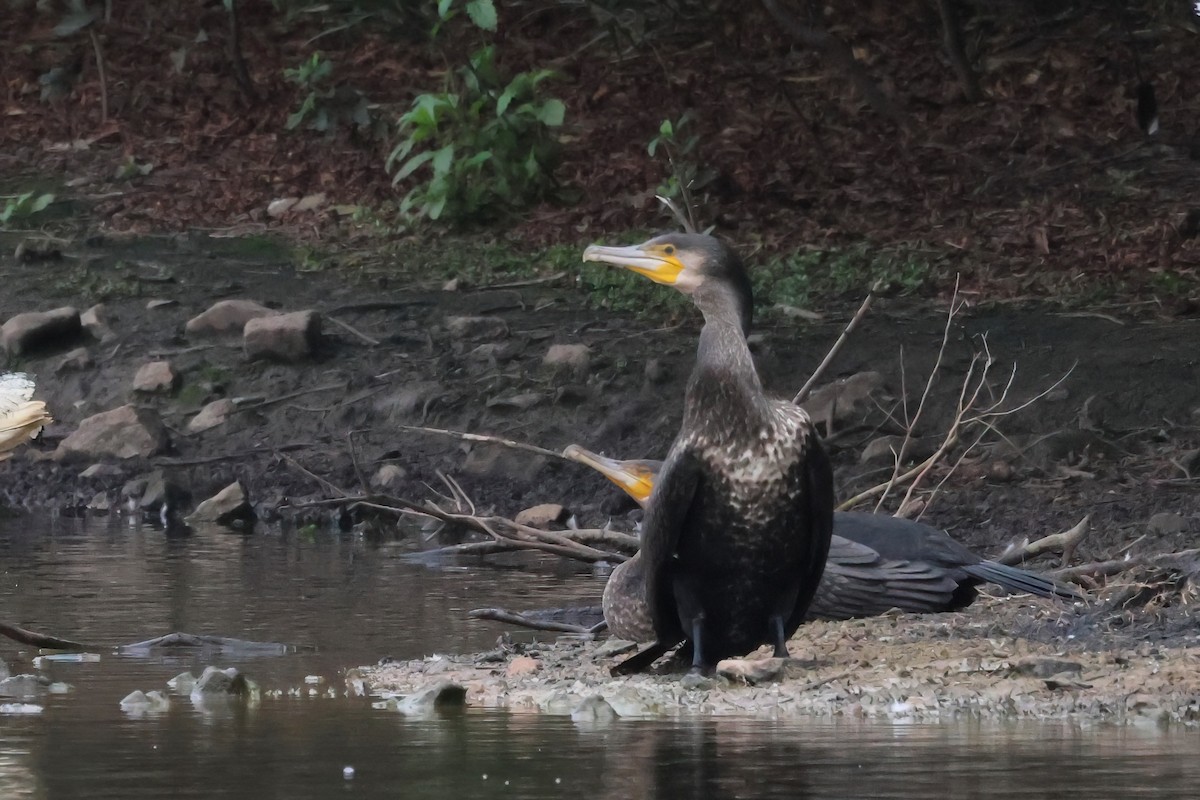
(1064, 542)
(35, 639)
(1100, 569)
(353, 331)
(543, 620)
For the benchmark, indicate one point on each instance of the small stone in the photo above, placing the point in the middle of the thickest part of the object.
(1000, 470)
(96, 322)
(543, 517)
(23, 686)
(751, 671)
(283, 337)
(522, 665)
(125, 432)
(593, 709)
(846, 401)
(37, 330)
(1167, 523)
(76, 360)
(226, 317)
(310, 202)
(102, 471)
(572, 359)
(279, 207)
(477, 327)
(453, 285)
(139, 702)
(182, 683)
(1038, 667)
(101, 504)
(212, 415)
(156, 377)
(228, 507)
(655, 371)
(695, 681)
(494, 352)
(153, 305)
(161, 490)
(389, 476)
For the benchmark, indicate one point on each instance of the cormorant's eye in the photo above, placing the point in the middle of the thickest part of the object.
(669, 249)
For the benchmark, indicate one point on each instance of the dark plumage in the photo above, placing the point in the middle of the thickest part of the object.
(876, 563)
(737, 530)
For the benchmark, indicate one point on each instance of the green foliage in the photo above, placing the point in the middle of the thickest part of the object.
(24, 206)
(685, 176)
(483, 146)
(796, 278)
(406, 16)
(326, 106)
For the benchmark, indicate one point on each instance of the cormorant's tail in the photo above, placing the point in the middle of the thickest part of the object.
(642, 660)
(1018, 580)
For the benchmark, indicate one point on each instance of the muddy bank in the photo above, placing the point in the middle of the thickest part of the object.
(970, 664)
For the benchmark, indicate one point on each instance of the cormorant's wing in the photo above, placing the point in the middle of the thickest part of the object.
(666, 516)
(818, 497)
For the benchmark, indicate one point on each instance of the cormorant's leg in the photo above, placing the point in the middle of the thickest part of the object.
(779, 636)
(697, 658)
(691, 619)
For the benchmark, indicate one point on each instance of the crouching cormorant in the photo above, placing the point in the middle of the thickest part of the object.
(876, 563)
(737, 530)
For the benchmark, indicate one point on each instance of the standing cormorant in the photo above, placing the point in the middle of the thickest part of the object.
(737, 530)
(876, 563)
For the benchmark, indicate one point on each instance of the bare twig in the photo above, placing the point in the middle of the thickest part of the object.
(558, 276)
(101, 73)
(354, 331)
(485, 439)
(682, 218)
(1099, 569)
(1064, 542)
(802, 395)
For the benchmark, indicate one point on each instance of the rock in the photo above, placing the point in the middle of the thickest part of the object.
(847, 400)
(23, 686)
(571, 359)
(76, 360)
(162, 491)
(494, 353)
(280, 206)
(409, 401)
(389, 476)
(752, 671)
(36, 330)
(226, 317)
(443, 696)
(101, 504)
(215, 682)
(125, 432)
(138, 702)
(156, 377)
(593, 709)
(544, 516)
(183, 683)
(522, 665)
(153, 305)
(95, 321)
(694, 681)
(310, 202)
(212, 415)
(283, 337)
(227, 507)
(1167, 523)
(477, 327)
(102, 471)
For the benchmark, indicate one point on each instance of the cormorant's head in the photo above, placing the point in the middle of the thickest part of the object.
(636, 478)
(686, 261)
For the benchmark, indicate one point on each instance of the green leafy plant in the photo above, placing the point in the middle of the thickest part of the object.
(326, 106)
(483, 146)
(24, 206)
(685, 176)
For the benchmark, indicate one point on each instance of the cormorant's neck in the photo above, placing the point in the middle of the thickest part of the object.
(724, 391)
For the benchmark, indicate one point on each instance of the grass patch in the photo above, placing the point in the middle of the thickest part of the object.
(805, 277)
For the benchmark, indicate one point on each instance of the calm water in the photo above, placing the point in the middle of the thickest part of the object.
(355, 602)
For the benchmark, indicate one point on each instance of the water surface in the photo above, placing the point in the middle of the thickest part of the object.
(355, 601)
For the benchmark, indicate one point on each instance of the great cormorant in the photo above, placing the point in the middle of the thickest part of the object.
(737, 530)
